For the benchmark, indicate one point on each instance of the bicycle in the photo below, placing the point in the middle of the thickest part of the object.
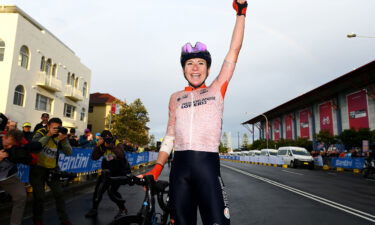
(147, 214)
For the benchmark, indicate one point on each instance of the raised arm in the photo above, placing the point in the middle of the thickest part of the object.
(238, 32)
(229, 64)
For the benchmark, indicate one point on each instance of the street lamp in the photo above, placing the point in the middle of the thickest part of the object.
(353, 35)
(266, 126)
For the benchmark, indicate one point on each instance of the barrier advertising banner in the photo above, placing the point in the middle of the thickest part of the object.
(276, 129)
(80, 162)
(325, 112)
(304, 123)
(357, 110)
(289, 127)
(348, 163)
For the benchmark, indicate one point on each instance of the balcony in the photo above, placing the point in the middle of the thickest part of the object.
(73, 93)
(48, 82)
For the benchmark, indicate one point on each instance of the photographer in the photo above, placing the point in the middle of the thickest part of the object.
(113, 160)
(53, 139)
(9, 181)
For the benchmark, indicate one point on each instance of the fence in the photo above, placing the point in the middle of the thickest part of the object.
(80, 162)
(346, 163)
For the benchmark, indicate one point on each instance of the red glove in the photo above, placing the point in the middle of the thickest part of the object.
(156, 171)
(34, 158)
(240, 8)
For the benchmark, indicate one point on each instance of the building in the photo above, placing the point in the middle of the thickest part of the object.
(344, 103)
(39, 73)
(100, 109)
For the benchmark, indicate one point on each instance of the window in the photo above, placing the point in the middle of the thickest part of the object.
(89, 126)
(83, 111)
(91, 108)
(43, 103)
(72, 78)
(2, 50)
(76, 82)
(19, 94)
(69, 110)
(68, 79)
(42, 64)
(24, 57)
(84, 89)
(54, 70)
(48, 66)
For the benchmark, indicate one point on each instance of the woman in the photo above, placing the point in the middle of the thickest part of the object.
(194, 131)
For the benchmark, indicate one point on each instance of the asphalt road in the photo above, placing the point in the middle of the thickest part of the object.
(259, 195)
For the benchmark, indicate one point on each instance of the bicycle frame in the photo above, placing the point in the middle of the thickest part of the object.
(147, 214)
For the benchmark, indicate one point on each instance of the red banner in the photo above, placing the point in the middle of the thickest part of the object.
(289, 127)
(276, 129)
(357, 109)
(304, 123)
(325, 111)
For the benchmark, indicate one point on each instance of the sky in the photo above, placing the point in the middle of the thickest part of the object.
(133, 47)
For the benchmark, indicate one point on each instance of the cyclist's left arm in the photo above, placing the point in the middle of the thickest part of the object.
(229, 64)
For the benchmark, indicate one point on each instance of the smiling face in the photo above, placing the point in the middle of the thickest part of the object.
(196, 71)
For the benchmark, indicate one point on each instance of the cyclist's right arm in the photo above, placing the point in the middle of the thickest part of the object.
(168, 141)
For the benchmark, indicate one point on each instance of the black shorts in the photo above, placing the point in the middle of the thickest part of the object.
(195, 182)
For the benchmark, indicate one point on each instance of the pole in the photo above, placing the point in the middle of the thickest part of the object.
(266, 128)
(238, 135)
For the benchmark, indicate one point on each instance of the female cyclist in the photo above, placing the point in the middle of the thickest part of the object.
(194, 131)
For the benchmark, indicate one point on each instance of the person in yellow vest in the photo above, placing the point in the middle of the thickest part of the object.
(54, 140)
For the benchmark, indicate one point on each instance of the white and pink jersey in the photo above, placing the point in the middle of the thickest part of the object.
(195, 115)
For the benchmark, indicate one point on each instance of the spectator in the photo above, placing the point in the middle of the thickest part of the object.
(26, 129)
(97, 137)
(72, 137)
(115, 162)
(86, 140)
(53, 141)
(9, 180)
(43, 124)
(11, 125)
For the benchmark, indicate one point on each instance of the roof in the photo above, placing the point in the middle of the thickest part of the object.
(15, 9)
(358, 78)
(102, 98)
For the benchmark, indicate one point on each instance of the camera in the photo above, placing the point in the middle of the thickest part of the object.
(59, 174)
(108, 140)
(61, 130)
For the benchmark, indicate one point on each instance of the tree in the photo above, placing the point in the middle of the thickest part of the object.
(222, 149)
(245, 141)
(325, 137)
(225, 140)
(152, 142)
(130, 123)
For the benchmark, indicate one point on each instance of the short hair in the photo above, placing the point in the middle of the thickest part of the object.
(45, 115)
(54, 120)
(17, 135)
(72, 130)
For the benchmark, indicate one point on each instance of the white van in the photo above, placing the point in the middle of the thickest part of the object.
(268, 152)
(296, 156)
(254, 152)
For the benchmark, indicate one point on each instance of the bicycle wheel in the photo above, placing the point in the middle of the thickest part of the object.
(128, 220)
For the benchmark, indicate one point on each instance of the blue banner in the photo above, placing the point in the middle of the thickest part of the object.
(348, 163)
(80, 162)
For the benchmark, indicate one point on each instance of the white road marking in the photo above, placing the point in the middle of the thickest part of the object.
(370, 179)
(292, 172)
(355, 212)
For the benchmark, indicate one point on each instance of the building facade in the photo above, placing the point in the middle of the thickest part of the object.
(100, 109)
(39, 73)
(347, 102)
